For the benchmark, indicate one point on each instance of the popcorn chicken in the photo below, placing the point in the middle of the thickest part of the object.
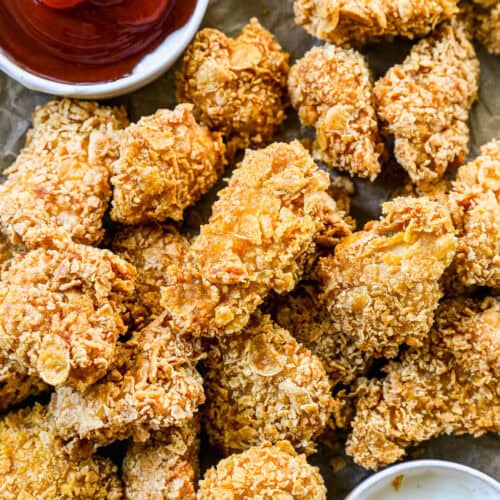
(166, 163)
(238, 86)
(332, 90)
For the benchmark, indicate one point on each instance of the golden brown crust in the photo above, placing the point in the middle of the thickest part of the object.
(488, 28)
(167, 162)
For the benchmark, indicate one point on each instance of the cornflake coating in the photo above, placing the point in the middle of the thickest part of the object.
(60, 180)
(447, 386)
(425, 101)
(238, 86)
(382, 284)
(332, 90)
(34, 464)
(151, 249)
(166, 163)
(475, 205)
(359, 22)
(165, 467)
(258, 239)
(152, 385)
(262, 385)
(60, 312)
(488, 29)
(263, 472)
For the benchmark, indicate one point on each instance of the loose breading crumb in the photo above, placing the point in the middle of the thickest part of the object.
(447, 386)
(259, 236)
(166, 163)
(382, 284)
(266, 473)
(424, 102)
(488, 28)
(60, 312)
(34, 463)
(59, 183)
(262, 385)
(332, 90)
(347, 22)
(238, 86)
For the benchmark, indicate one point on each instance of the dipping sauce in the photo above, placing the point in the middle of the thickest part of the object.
(94, 41)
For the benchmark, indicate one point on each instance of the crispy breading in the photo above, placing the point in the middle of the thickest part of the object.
(238, 86)
(257, 240)
(447, 386)
(34, 463)
(332, 90)
(165, 467)
(263, 472)
(424, 102)
(475, 205)
(60, 312)
(166, 163)
(152, 385)
(358, 22)
(382, 284)
(59, 183)
(488, 26)
(151, 249)
(262, 385)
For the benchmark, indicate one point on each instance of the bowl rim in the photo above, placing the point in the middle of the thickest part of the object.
(375, 479)
(134, 81)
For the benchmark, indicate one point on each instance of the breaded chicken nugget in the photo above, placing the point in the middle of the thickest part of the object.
(447, 386)
(358, 22)
(332, 90)
(151, 249)
(424, 102)
(152, 385)
(258, 238)
(488, 25)
(238, 86)
(165, 467)
(34, 464)
(60, 180)
(262, 385)
(475, 205)
(263, 472)
(167, 162)
(60, 312)
(382, 284)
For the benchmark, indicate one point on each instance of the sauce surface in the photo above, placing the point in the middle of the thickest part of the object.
(96, 41)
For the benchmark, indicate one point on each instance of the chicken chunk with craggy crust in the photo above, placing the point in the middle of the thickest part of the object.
(449, 385)
(487, 29)
(332, 90)
(238, 86)
(381, 285)
(166, 163)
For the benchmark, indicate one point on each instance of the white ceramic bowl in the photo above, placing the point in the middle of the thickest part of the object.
(147, 70)
(427, 480)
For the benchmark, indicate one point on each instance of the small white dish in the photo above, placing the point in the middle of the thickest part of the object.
(427, 480)
(148, 69)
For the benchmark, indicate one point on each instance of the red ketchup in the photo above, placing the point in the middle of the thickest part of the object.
(78, 41)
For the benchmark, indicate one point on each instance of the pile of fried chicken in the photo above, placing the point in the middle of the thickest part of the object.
(118, 324)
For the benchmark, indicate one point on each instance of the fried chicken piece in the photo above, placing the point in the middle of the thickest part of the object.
(238, 86)
(357, 22)
(262, 385)
(151, 249)
(388, 297)
(165, 467)
(447, 386)
(34, 463)
(488, 26)
(263, 472)
(152, 385)
(61, 311)
(332, 90)
(59, 183)
(475, 205)
(166, 163)
(424, 102)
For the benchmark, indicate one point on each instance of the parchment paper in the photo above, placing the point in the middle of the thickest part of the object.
(17, 104)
